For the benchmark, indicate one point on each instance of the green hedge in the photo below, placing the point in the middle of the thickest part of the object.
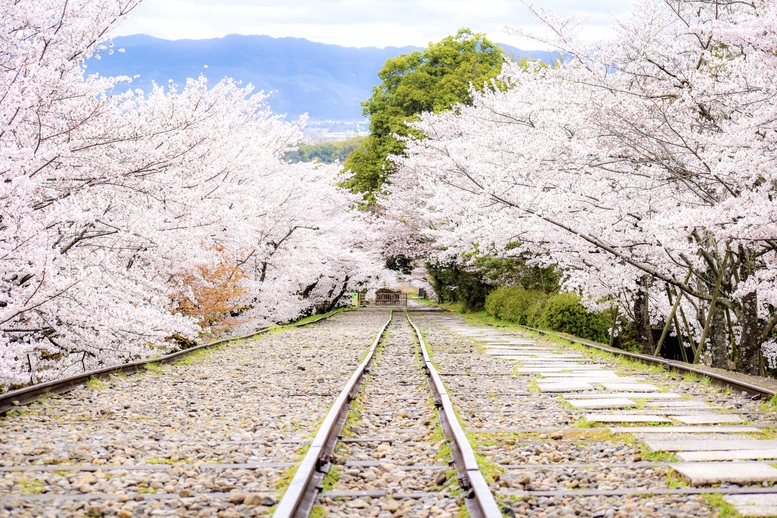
(562, 312)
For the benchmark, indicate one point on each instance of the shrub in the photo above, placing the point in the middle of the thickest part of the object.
(562, 312)
(515, 304)
(565, 313)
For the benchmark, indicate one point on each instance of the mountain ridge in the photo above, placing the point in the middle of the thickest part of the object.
(326, 81)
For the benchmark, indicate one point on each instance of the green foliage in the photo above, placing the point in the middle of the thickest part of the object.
(432, 80)
(452, 283)
(513, 270)
(516, 304)
(562, 312)
(31, 486)
(400, 263)
(326, 152)
(94, 383)
(718, 503)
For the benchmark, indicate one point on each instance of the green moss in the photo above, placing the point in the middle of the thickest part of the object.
(769, 404)
(155, 367)
(716, 502)
(282, 483)
(656, 456)
(192, 357)
(585, 423)
(160, 461)
(31, 486)
(675, 481)
(95, 383)
(331, 478)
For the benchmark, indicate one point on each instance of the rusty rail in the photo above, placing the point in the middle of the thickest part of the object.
(480, 501)
(301, 494)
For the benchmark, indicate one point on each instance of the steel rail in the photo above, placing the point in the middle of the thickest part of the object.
(480, 500)
(27, 395)
(671, 364)
(301, 494)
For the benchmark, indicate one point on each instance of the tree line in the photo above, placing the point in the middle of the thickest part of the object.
(642, 168)
(132, 224)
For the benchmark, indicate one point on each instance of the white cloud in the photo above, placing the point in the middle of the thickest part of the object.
(355, 23)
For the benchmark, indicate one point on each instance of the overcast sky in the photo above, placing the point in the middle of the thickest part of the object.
(358, 23)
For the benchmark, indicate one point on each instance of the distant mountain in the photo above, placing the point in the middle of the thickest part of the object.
(326, 81)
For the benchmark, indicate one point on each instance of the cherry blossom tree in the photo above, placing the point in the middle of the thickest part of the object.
(643, 166)
(111, 205)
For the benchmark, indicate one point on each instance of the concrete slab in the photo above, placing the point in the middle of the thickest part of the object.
(754, 505)
(675, 437)
(531, 354)
(626, 418)
(516, 341)
(556, 371)
(687, 429)
(681, 405)
(517, 348)
(631, 387)
(701, 456)
(708, 419)
(570, 386)
(538, 357)
(647, 396)
(602, 403)
(709, 473)
(597, 376)
(733, 442)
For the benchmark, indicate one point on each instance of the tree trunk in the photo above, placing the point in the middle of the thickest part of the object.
(749, 359)
(718, 338)
(642, 317)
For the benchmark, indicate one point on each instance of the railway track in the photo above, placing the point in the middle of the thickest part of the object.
(399, 451)
(540, 429)
(572, 431)
(209, 436)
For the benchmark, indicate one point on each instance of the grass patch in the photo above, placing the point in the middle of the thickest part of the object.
(585, 423)
(318, 512)
(287, 477)
(455, 307)
(705, 381)
(31, 486)
(716, 502)
(675, 481)
(656, 456)
(95, 383)
(770, 404)
(155, 367)
(160, 461)
(690, 377)
(331, 478)
(491, 471)
(192, 357)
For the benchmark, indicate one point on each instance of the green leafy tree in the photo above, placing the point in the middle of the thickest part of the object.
(432, 80)
(326, 152)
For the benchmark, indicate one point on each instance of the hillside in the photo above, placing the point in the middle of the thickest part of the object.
(326, 81)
